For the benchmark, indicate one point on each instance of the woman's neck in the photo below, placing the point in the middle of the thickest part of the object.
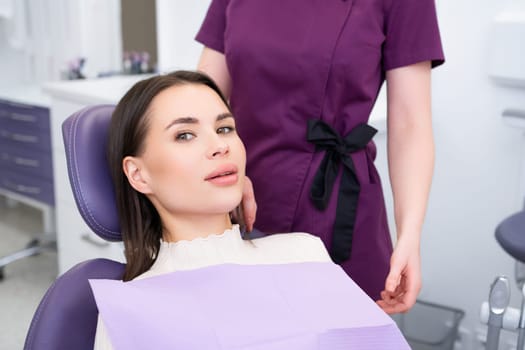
(190, 227)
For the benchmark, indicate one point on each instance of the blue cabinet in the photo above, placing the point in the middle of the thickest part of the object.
(25, 151)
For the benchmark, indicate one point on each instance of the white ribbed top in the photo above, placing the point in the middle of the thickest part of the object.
(228, 248)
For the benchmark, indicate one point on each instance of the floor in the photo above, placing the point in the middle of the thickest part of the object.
(25, 281)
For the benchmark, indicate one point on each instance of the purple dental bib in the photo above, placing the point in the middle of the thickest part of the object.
(301, 306)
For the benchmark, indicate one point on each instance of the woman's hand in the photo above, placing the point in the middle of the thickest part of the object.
(249, 205)
(403, 283)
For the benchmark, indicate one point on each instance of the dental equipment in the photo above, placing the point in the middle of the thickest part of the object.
(499, 298)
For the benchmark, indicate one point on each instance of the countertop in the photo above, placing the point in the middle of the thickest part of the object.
(93, 91)
(26, 94)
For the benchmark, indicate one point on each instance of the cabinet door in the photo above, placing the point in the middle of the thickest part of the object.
(30, 162)
(19, 137)
(29, 186)
(24, 116)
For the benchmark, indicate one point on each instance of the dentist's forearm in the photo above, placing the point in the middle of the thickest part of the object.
(411, 165)
(410, 146)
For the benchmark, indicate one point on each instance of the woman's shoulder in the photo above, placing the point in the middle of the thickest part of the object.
(293, 247)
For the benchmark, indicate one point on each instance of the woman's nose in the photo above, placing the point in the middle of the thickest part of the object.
(218, 149)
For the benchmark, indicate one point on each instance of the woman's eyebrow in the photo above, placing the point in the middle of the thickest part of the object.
(192, 120)
(224, 116)
(183, 120)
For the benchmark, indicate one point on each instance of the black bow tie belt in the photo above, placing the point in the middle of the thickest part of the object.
(337, 150)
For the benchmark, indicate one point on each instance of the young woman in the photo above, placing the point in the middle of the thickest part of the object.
(178, 166)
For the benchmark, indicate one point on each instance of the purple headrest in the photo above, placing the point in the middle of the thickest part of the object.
(85, 139)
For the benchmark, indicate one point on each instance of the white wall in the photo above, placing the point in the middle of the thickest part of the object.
(52, 33)
(12, 62)
(177, 24)
(477, 169)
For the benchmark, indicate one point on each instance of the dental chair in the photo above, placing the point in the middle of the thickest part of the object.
(67, 315)
(510, 234)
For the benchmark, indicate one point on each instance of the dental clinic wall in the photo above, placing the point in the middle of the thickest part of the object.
(477, 171)
(12, 59)
(177, 24)
(39, 38)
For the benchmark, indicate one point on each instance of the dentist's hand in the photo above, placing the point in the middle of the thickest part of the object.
(249, 205)
(403, 283)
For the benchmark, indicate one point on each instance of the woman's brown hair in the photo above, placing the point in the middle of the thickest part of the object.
(140, 223)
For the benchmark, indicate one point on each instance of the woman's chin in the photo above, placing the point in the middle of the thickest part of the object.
(225, 207)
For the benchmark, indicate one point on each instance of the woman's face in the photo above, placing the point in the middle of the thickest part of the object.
(193, 161)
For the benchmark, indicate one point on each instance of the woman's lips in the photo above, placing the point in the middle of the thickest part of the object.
(224, 175)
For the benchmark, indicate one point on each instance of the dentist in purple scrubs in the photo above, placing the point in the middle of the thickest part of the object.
(302, 77)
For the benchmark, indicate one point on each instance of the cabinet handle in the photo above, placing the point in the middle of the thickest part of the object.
(28, 189)
(23, 188)
(19, 137)
(23, 118)
(24, 138)
(27, 162)
(87, 238)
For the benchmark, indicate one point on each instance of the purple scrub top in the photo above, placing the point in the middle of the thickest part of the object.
(295, 60)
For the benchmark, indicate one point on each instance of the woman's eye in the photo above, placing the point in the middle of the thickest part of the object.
(184, 136)
(225, 129)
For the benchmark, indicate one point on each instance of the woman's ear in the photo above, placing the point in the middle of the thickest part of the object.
(136, 174)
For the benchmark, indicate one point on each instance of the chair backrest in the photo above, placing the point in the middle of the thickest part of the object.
(67, 315)
(85, 140)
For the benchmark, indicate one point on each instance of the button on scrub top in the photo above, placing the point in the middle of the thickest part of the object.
(292, 61)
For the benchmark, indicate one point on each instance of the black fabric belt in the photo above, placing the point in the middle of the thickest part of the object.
(337, 151)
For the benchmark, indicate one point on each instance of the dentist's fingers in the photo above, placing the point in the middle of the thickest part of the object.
(248, 204)
(413, 287)
(403, 298)
(394, 277)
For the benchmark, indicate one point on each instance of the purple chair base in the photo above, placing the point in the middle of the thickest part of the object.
(67, 315)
